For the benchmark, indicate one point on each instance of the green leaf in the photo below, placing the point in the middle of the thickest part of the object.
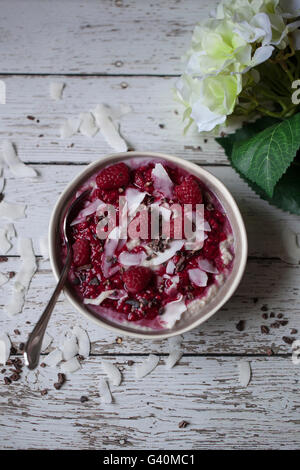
(265, 157)
(286, 194)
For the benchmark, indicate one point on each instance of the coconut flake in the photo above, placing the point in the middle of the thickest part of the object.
(109, 129)
(87, 126)
(207, 227)
(207, 266)
(289, 250)
(3, 279)
(56, 89)
(147, 366)
(70, 366)
(91, 208)
(134, 198)
(53, 358)
(244, 373)
(170, 267)
(132, 259)
(161, 181)
(16, 166)
(23, 277)
(174, 342)
(69, 127)
(47, 340)
(5, 346)
(164, 256)
(98, 300)
(112, 372)
(69, 347)
(198, 277)
(84, 345)
(172, 285)
(105, 391)
(173, 358)
(172, 312)
(12, 211)
(6, 234)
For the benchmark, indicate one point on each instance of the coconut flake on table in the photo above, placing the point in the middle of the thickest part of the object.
(6, 235)
(173, 358)
(43, 244)
(69, 347)
(84, 344)
(23, 277)
(198, 277)
(87, 126)
(2, 181)
(161, 181)
(69, 127)
(16, 166)
(47, 340)
(244, 373)
(289, 249)
(164, 256)
(12, 211)
(53, 358)
(105, 391)
(70, 366)
(109, 129)
(207, 266)
(112, 371)
(147, 366)
(56, 89)
(3, 279)
(174, 343)
(132, 259)
(134, 198)
(5, 346)
(172, 312)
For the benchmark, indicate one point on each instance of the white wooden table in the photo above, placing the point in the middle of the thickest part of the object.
(128, 51)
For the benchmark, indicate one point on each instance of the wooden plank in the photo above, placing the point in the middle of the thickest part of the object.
(107, 37)
(150, 98)
(270, 282)
(265, 224)
(203, 391)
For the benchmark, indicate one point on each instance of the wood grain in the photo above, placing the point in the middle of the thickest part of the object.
(150, 98)
(145, 414)
(97, 37)
(265, 282)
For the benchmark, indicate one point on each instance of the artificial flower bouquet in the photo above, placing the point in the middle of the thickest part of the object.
(244, 63)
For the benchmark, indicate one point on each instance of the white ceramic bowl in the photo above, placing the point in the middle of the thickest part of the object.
(231, 209)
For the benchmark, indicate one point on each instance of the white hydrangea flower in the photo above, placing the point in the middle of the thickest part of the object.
(241, 35)
(210, 100)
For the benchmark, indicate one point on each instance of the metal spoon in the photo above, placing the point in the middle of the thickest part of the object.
(33, 346)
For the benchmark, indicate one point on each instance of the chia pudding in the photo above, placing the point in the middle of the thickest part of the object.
(132, 277)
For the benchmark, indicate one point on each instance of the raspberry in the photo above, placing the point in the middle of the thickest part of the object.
(189, 192)
(81, 252)
(113, 177)
(136, 278)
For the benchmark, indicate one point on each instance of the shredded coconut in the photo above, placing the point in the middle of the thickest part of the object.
(147, 366)
(56, 89)
(16, 166)
(112, 372)
(12, 211)
(244, 373)
(5, 346)
(23, 277)
(109, 129)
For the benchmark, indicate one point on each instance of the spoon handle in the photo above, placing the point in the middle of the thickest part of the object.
(33, 346)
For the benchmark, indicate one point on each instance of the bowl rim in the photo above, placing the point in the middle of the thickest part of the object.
(190, 166)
